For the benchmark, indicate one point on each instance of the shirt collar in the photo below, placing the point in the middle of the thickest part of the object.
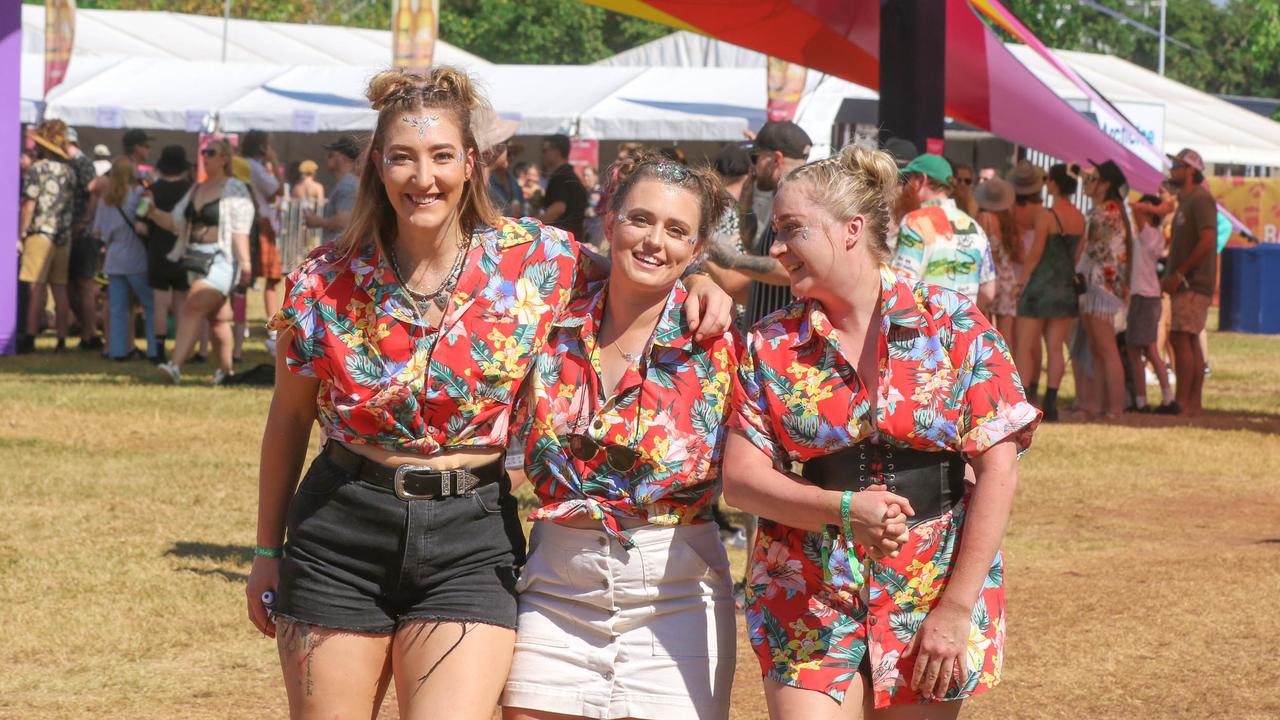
(940, 202)
(898, 306)
(584, 314)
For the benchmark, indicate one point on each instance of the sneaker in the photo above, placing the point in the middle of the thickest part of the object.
(1172, 408)
(61, 347)
(1152, 379)
(739, 539)
(219, 376)
(93, 344)
(196, 359)
(170, 372)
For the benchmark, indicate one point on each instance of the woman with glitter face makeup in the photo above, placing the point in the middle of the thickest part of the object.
(626, 606)
(408, 341)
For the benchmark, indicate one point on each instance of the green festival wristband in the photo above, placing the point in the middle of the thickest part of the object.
(273, 553)
(846, 523)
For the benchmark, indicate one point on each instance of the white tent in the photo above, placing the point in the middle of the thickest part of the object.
(140, 33)
(1222, 132)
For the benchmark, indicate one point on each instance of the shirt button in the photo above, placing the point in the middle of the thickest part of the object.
(597, 424)
(608, 675)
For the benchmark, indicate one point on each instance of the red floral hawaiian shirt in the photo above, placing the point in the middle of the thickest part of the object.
(388, 378)
(947, 383)
(671, 406)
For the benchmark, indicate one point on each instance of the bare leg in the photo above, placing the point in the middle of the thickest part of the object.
(1138, 373)
(1162, 372)
(38, 297)
(435, 663)
(333, 673)
(220, 332)
(163, 302)
(1182, 366)
(61, 309)
(1006, 325)
(202, 301)
(271, 297)
(1055, 334)
(1108, 369)
(1027, 355)
(792, 703)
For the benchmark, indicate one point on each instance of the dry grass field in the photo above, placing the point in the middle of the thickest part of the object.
(1143, 560)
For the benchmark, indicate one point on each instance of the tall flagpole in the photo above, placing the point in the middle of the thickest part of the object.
(1163, 5)
(226, 23)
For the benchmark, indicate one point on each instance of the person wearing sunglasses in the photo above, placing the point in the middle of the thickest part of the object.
(964, 187)
(876, 581)
(626, 606)
(212, 222)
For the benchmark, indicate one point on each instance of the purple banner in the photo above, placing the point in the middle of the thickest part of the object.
(10, 147)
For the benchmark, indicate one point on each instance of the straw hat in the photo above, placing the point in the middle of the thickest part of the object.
(52, 136)
(1026, 179)
(994, 195)
(491, 129)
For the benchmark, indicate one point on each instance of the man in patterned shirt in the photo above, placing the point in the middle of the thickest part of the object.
(939, 243)
(44, 226)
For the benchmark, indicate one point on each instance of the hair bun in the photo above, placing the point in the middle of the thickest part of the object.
(876, 165)
(442, 85)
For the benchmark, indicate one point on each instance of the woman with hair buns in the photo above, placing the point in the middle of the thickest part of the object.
(626, 603)
(887, 601)
(408, 340)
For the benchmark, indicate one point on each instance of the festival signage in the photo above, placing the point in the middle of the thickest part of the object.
(414, 26)
(1145, 128)
(1255, 201)
(59, 38)
(786, 85)
(583, 153)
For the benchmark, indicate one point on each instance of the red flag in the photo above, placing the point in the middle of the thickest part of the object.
(59, 38)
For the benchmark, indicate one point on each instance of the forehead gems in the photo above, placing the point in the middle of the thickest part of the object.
(671, 172)
(422, 123)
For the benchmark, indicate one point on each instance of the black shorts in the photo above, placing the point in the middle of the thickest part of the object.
(359, 558)
(84, 257)
(167, 276)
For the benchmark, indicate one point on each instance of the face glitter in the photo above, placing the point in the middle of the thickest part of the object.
(422, 123)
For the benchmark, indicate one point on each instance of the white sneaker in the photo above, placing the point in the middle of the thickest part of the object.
(171, 373)
(1151, 377)
(739, 539)
(219, 376)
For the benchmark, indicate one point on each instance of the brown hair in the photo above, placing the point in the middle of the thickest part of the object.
(393, 93)
(702, 181)
(858, 181)
(122, 178)
(1006, 230)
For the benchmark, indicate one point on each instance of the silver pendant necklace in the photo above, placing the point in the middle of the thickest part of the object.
(440, 296)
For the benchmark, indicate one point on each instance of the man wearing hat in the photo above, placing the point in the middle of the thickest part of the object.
(492, 133)
(44, 229)
(1191, 275)
(780, 147)
(83, 265)
(340, 161)
(939, 243)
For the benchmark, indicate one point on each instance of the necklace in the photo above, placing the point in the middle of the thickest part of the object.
(440, 296)
(629, 357)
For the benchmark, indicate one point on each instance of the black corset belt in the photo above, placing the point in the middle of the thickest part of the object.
(933, 482)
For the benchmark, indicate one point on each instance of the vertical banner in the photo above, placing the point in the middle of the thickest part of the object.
(401, 33)
(786, 85)
(583, 153)
(59, 37)
(413, 33)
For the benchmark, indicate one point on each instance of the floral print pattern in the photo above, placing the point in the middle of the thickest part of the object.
(946, 383)
(1105, 258)
(388, 378)
(51, 185)
(671, 406)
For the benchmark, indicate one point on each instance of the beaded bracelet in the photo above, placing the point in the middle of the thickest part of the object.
(260, 551)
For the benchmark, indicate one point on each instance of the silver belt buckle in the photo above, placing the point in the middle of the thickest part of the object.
(465, 479)
(403, 494)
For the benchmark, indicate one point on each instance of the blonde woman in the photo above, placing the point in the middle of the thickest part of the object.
(116, 224)
(212, 223)
(396, 558)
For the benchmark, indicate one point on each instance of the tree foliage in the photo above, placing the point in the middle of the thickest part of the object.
(1237, 44)
(503, 31)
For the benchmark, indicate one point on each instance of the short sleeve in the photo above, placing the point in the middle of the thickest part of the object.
(301, 312)
(748, 408)
(262, 180)
(1205, 211)
(987, 265)
(239, 209)
(31, 185)
(995, 407)
(344, 196)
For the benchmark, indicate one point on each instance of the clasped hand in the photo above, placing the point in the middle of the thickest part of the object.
(879, 520)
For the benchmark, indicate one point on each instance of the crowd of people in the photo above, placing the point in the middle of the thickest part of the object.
(848, 348)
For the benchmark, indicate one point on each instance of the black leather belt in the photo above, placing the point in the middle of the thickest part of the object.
(414, 482)
(933, 482)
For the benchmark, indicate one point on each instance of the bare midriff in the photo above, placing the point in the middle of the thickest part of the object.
(586, 523)
(448, 460)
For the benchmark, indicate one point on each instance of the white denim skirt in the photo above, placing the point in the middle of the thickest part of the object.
(610, 632)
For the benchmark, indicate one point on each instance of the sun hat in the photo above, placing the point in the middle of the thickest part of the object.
(994, 195)
(173, 160)
(492, 129)
(935, 167)
(52, 136)
(1026, 178)
(1189, 157)
(101, 151)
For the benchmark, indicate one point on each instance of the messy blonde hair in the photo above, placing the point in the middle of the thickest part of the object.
(396, 92)
(858, 181)
(122, 179)
(643, 164)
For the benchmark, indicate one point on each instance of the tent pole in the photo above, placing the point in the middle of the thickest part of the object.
(913, 48)
(226, 22)
(1164, 4)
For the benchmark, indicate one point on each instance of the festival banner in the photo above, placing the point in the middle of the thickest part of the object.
(59, 38)
(1255, 201)
(584, 153)
(786, 86)
(414, 28)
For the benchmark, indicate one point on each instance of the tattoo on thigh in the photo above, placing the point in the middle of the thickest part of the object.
(301, 642)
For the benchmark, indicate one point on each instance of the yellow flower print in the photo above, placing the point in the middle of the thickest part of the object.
(529, 305)
(977, 650)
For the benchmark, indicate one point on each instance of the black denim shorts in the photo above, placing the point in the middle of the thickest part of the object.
(359, 558)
